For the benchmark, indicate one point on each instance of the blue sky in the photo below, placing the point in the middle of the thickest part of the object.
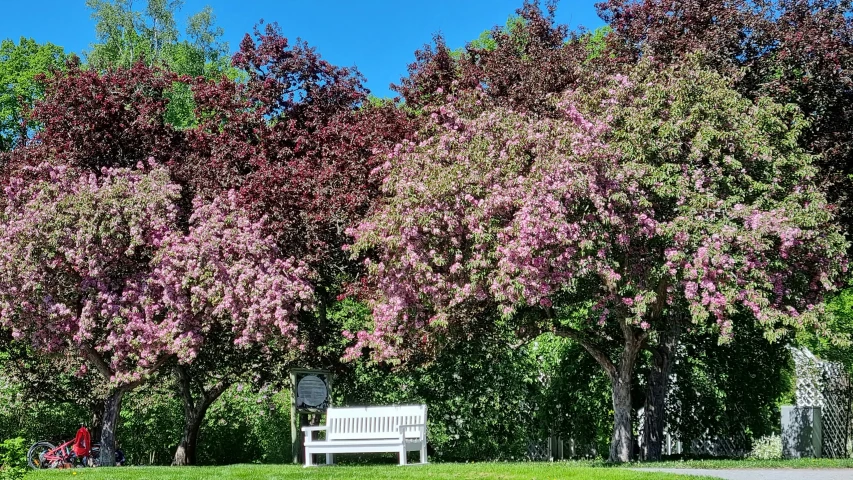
(377, 36)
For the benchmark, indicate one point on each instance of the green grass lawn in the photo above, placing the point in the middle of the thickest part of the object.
(469, 471)
(594, 470)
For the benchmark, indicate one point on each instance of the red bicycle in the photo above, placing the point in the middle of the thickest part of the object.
(46, 455)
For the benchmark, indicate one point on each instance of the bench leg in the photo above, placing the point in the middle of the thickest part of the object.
(403, 455)
(423, 453)
(330, 459)
(309, 458)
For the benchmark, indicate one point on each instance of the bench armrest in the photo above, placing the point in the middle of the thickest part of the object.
(419, 426)
(314, 429)
(309, 432)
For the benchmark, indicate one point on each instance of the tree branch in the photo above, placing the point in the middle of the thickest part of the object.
(661, 297)
(218, 389)
(144, 376)
(92, 355)
(210, 396)
(184, 387)
(591, 347)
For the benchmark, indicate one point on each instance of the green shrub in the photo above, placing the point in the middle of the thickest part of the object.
(13, 459)
(152, 419)
(767, 448)
(731, 390)
(246, 426)
(36, 420)
(575, 402)
(242, 426)
(487, 396)
(482, 394)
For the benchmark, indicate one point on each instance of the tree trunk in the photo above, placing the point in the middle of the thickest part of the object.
(96, 419)
(620, 374)
(194, 412)
(23, 134)
(186, 451)
(622, 443)
(112, 409)
(112, 405)
(654, 416)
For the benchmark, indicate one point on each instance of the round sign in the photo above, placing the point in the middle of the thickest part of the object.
(312, 390)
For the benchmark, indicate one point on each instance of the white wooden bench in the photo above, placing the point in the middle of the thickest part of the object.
(395, 429)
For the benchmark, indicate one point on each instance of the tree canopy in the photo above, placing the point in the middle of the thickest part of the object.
(659, 196)
(127, 36)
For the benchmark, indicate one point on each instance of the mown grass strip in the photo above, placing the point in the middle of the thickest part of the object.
(475, 471)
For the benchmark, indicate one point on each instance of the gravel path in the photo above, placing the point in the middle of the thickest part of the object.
(764, 474)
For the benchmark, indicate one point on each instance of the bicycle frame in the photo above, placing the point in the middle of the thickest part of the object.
(44, 454)
(59, 455)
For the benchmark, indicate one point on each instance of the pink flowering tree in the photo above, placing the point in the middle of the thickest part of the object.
(659, 198)
(98, 266)
(227, 270)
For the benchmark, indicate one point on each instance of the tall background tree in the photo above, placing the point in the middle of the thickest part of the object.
(20, 64)
(127, 35)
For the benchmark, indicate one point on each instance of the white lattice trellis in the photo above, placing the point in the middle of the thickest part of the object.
(826, 385)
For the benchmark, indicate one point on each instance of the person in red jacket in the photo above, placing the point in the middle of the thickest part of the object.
(82, 444)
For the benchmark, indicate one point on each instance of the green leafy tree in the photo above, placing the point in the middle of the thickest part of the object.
(159, 26)
(841, 306)
(20, 64)
(126, 36)
(596, 41)
(150, 35)
(205, 35)
(117, 29)
(486, 41)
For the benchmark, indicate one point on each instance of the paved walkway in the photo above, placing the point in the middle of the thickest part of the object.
(764, 474)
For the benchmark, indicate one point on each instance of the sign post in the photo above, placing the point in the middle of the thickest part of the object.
(310, 394)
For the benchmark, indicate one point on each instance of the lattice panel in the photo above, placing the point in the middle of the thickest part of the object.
(720, 447)
(539, 451)
(826, 385)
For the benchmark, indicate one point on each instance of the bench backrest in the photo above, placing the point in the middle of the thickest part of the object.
(352, 423)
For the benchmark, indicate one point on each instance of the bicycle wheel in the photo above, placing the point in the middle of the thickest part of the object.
(35, 456)
(95, 455)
